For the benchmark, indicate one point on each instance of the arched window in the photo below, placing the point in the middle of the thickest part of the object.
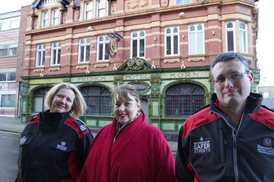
(98, 100)
(183, 99)
(38, 104)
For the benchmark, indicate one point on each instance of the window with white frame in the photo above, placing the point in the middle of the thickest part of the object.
(55, 53)
(103, 48)
(48, 2)
(9, 24)
(243, 37)
(138, 44)
(101, 8)
(7, 100)
(8, 50)
(84, 50)
(55, 17)
(230, 29)
(171, 41)
(7, 77)
(196, 39)
(182, 1)
(40, 55)
(5, 26)
(88, 10)
(44, 19)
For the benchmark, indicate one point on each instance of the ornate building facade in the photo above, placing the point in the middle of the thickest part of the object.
(164, 47)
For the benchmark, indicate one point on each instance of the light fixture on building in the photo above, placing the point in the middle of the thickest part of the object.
(183, 66)
(213, 32)
(90, 28)
(114, 67)
(182, 14)
(87, 71)
(153, 66)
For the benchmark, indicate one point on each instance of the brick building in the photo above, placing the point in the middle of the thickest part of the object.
(164, 47)
(9, 40)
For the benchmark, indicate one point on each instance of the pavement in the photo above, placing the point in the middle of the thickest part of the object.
(11, 124)
(14, 124)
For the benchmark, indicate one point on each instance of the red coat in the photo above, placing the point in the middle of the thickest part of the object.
(139, 154)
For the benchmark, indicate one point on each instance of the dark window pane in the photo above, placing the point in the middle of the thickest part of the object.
(176, 44)
(82, 53)
(59, 56)
(142, 48)
(87, 53)
(134, 48)
(168, 45)
(38, 103)
(8, 100)
(98, 100)
(230, 41)
(183, 99)
(107, 52)
(100, 51)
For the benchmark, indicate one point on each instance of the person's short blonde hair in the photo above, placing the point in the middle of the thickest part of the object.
(79, 105)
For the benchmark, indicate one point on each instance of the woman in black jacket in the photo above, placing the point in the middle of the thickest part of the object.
(54, 143)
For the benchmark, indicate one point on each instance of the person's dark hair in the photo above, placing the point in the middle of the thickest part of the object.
(230, 56)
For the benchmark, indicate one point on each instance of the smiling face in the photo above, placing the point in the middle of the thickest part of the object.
(233, 91)
(62, 101)
(126, 109)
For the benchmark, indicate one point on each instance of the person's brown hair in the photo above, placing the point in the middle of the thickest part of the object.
(122, 92)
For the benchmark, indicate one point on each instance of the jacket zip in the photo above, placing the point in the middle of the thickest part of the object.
(234, 150)
(235, 156)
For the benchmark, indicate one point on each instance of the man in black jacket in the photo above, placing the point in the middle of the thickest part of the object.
(233, 138)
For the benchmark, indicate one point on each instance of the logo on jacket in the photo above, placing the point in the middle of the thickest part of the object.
(83, 128)
(201, 146)
(23, 140)
(266, 147)
(62, 146)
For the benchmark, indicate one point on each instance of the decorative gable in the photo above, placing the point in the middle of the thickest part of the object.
(136, 64)
(40, 3)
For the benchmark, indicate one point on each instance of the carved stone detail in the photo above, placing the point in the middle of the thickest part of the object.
(134, 4)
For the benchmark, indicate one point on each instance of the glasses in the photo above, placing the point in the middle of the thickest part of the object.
(233, 77)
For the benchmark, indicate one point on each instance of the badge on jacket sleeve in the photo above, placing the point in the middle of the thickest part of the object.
(23, 140)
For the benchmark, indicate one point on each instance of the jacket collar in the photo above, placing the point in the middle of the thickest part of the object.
(253, 102)
(51, 120)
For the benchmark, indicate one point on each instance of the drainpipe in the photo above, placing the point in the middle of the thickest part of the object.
(109, 7)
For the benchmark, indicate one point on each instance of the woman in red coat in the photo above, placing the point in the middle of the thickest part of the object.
(129, 149)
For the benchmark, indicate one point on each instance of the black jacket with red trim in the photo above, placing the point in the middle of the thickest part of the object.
(53, 147)
(212, 148)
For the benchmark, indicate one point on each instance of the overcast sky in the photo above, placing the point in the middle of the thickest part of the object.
(265, 40)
